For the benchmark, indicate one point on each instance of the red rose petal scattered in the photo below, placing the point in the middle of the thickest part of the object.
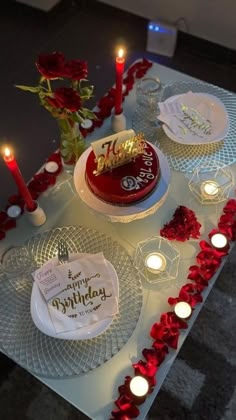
(183, 225)
(2, 235)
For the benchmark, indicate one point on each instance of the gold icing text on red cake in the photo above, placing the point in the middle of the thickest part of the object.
(119, 153)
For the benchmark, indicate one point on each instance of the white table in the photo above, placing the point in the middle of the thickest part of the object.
(94, 393)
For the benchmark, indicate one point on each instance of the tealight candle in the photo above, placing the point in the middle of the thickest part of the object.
(155, 262)
(87, 124)
(139, 386)
(51, 167)
(219, 240)
(183, 310)
(210, 189)
(14, 211)
(120, 64)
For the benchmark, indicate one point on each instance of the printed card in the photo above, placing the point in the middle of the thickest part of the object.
(49, 279)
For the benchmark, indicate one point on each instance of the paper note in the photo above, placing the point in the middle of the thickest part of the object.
(49, 279)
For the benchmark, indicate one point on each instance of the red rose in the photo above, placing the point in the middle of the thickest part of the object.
(76, 69)
(52, 65)
(65, 98)
(230, 206)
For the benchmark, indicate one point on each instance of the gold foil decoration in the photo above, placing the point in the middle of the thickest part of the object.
(119, 153)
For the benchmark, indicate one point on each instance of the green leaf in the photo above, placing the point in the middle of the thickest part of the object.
(86, 92)
(31, 89)
(76, 118)
(88, 114)
(64, 152)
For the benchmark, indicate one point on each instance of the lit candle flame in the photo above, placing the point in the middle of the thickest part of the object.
(210, 188)
(155, 262)
(219, 240)
(7, 151)
(139, 386)
(183, 310)
(120, 53)
(7, 154)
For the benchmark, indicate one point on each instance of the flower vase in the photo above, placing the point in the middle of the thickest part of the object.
(72, 143)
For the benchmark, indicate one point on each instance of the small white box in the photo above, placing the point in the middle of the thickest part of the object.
(161, 38)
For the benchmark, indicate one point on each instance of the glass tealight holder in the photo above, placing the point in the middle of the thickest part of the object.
(157, 259)
(211, 183)
(17, 260)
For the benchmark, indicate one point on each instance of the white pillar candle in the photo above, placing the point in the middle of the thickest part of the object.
(155, 262)
(139, 386)
(219, 240)
(209, 189)
(183, 310)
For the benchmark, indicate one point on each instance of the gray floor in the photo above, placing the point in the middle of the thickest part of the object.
(81, 29)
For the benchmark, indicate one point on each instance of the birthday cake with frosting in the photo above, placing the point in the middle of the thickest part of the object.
(122, 169)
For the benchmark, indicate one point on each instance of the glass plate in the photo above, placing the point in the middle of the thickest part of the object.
(186, 158)
(51, 357)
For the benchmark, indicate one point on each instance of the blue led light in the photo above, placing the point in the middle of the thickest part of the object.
(159, 28)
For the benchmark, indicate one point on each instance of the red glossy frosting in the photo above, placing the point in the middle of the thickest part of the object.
(125, 184)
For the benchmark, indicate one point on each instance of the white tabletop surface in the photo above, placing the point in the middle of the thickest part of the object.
(94, 393)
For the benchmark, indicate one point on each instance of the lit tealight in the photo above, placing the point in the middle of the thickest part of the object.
(183, 310)
(219, 240)
(155, 262)
(139, 386)
(210, 189)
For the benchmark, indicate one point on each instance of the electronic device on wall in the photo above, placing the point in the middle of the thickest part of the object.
(161, 38)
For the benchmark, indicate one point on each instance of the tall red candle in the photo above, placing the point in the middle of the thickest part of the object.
(120, 64)
(11, 163)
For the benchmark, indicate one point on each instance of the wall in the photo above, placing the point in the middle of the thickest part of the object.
(44, 5)
(214, 20)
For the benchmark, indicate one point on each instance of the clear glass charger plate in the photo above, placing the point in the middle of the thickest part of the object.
(186, 158)
(51, 357)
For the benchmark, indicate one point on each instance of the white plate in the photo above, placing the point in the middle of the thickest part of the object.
(220, 121)
(42, 319)
(123, 214)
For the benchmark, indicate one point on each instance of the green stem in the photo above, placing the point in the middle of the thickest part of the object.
(72, 142)
(49, 85)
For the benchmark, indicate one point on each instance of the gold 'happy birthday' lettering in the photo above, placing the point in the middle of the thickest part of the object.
(79, 298)
(119, 155)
